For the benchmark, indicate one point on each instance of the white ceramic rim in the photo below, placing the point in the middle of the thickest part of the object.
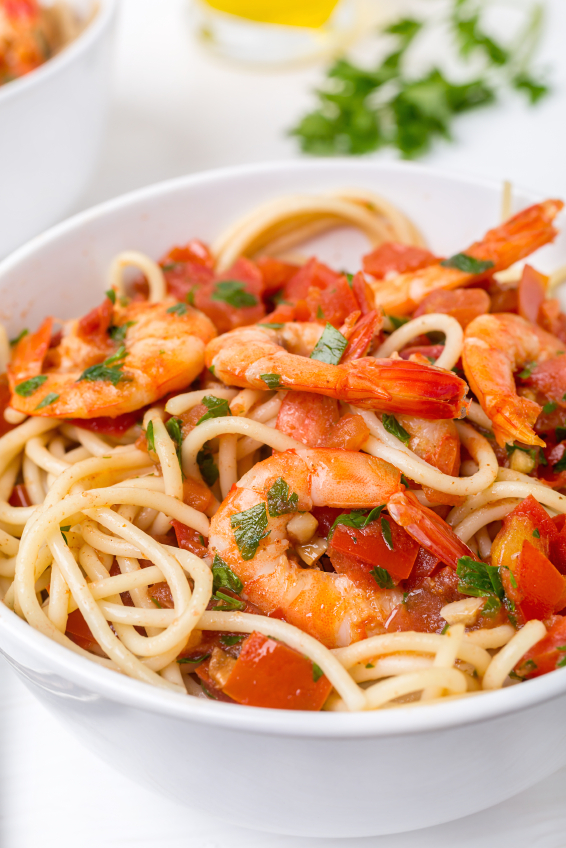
(66, 56)
(124, 690)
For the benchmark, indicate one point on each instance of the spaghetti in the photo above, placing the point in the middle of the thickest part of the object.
(283, 508)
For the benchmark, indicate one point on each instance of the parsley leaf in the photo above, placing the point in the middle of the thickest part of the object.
(217, 408)
(560, 465)
(467, 264)
(47, 400)
(249, 529)
(19, 337)
(207, 466)
(111, 295)
(382, 578)
(272, 326)
(273, 381)
(392, 426)
(174, 428)
(149, 436)
(65, 530)
(118, 332)
(357, 518)
(156, 602)
(227, 602)
(330, 346)
(536, 533)
(28, 387)
(533, 88)
(227, 639)
(397, 321)
(109, 371)
(527, 370)
(223, 577)
(193, 660)
(549, 407)
(178, 309)
(560, 433)
(480, 581)
(279, 501)
(386, 533)
(233, 292)
(317, 672)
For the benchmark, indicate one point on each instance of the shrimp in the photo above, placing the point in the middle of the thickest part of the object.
(262, 358)
(495, 347)
(114, 360)
(503, 246)
(438, 443)
(250, 534)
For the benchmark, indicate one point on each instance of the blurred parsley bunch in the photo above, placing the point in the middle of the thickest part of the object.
(361, 110)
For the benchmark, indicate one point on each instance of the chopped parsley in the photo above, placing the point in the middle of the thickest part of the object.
(536, 533)
(445, 629)
(397, 321)
(190, 296)
(156, 602)
(319, 312)
(19, 337)
(28, 387)
(207, 466)
(118, 333)
(279, 501)
(330, 346)
(560, 433)
(108, 371)
(217, 408)
(481, 581)
(386, 533)
(370, 665)
(227, 639)
(382, 578)
(357, 518)
(223, 577)
(178, 309)
(532, 452)
(119, 356)
(65, 530)
(549, 407)
(561, 663)
(273, 381)
(250, 527)
(528, 370)
(272, 326)
(233, 292)
(467, 264)
(227, 602)
(47, 400)
(149, 436)
(392, 426)
(560, 465)
(174, 428)
(111, 295)
(193, 660)
(317, 672)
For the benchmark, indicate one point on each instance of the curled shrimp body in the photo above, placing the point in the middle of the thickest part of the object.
(495, 348)
(328, 606)
(504, 245)
(261, 358)
(114, 360)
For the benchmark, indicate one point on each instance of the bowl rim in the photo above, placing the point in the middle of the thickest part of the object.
(105, 11)
(100, 681)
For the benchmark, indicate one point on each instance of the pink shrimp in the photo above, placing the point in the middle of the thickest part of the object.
(251, 534)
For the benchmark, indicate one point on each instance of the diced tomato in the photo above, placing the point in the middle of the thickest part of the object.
(326, 516)
(313, 274)
(420, 610)
(462, 304)
(195, 251)
(161, 595)
(20, 496)
(189, 540)
(546, 654)
(270, 674)
(356, 552)
(395, 258)
(80, 633)
(332, 305)
(350, 433)
(107, 426)
(540, 589)
(549, 378)
(552, 319)
(197, 494)
(209, 687)
(276, 273)
(523, 524)
(428, 529)
(222, 313)
(5, 427)
(532, 292)
(93, 327)
(431, 352)
(425, 566)
(281, 314)
(307, 417)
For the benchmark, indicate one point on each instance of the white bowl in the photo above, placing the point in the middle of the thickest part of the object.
(51, 127)
(316, 774)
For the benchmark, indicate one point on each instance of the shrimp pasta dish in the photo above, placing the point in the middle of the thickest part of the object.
(250, 477)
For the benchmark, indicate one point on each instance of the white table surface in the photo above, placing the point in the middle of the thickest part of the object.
(177, 110)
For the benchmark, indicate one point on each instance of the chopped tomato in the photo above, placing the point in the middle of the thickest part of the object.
(532, 293)
(276, 273)
(538, 589)
(308, 418)
(552, 319)
(5, 427)
(281, 314)
(209, 687)
(326, 516)
(313, 274)
(350, 433)
(549, 378)
(93, 327)
(80, 633)
(462, 304)
(420, 609)
(195, 251)
(189, 540)
(332, 305)
(160, 593)
(431, 352)
(546, 655)
(527, 522)
(357, 552)
(395, 258)
(425, 565)
(107, 426)
(20, 496)
(270, 674)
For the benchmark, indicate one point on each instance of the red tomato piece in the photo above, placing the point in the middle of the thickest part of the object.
(116, 427)
(421, 608)
(195, 251)
(429, 351)
(209, 687)
(80, 633)
(5, 427)
(552, 319)
(349, 434)
(270, 674)
(395, 258)
(189, 540)
(462, 304)
(20, 496)
(546, 654)
(541, 589)
(332, 305)
(357, 552)
(532, 293)
(549, 378)
(425, 566)
(308, 418)
(326, 516)
(276, 273)
(313, 274)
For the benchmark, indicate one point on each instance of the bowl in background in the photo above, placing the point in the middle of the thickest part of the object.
(51, 127)
(312, 774)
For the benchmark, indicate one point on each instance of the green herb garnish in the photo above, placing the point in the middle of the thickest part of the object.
(279, 501)
(217, 408)
(536, 533)
(467, 264)
(223, 577)
(528, 370)
(111, 295)
(178, 309)
(317, 672)
(273, 381)
(118, 333)
(480, 581)
(28, 387)
(330, 346)
(233, 292)
(227, 640)
(357, 518)
(207, 466)
(193, 660)
(156, 602)
(47, 400)
(109, 371)
(549, 407)
(272, 326)
(65, 530)
(445, 629)
(227, 602)
(392, 426)
(397, 321)
(250, 528)
(19, 337)
(382, 578)
(386, 533)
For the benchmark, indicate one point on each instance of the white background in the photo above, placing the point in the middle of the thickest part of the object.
(176, 110)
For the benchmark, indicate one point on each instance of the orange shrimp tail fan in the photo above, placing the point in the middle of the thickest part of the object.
(396, 385)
